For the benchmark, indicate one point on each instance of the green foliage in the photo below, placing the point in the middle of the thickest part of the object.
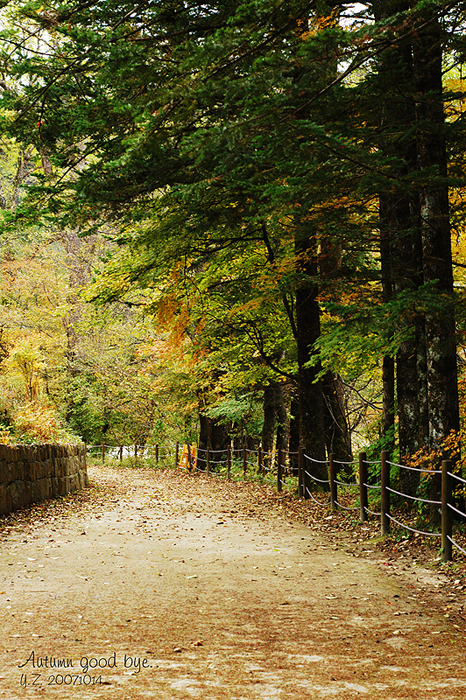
(230, 155)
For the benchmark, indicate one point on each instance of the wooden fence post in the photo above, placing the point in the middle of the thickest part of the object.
(207, 461)
(384, 493)
(259, 460)
(245, 461)
(120, 453)
(279, 470)
(363, 499)
(156, 454)
(333, 484)
(189, 457)
(103, 454)
(447, 513)
(177, 454)
(229, 460)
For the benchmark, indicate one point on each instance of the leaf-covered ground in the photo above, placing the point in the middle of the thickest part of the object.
(165, 585)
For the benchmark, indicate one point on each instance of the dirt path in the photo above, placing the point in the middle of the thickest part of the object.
(161, 585)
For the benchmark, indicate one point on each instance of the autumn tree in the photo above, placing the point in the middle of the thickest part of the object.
(232, 129)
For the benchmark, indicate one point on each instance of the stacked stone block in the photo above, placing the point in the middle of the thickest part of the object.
(32, 473)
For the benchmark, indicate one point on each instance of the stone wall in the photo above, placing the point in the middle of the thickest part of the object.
(32, 473)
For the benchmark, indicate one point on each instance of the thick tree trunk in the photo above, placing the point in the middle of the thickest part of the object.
(388, 402)
(435, 226)
(311, 400)
(401, 245)
(388, 362)
(215, 437)
(219, 439)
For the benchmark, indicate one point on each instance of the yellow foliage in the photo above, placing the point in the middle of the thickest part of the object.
(39, 422)
(319, 24)
(430, 459)
(26, 361)
(5, 437)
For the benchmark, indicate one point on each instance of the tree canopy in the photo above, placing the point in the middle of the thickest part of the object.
(278, 184)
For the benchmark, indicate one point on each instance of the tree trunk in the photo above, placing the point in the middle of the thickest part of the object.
(219, 441)
(213, 436)
(388, 403)
(442, 390)
(311, 401)
(401, 245)
(388, 362)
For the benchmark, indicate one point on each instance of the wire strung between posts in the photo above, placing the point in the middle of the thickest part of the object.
(345, 507)
(395, 464)
(377, 461)
(414, 498)
(321, 481)
(284, 483)
(318, 461)
(338, 461)
(419, 532)
(463, 515)
(315, 499)
(264, 469)
(414, 469)
(288, 486)
(372, 487)
(371, 512)
(456, 544)
(344, 483)
(457, 477)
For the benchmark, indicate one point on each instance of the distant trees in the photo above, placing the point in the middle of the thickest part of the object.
(67, 370)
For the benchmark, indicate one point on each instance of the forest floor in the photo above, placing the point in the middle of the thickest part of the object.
(159, 584)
